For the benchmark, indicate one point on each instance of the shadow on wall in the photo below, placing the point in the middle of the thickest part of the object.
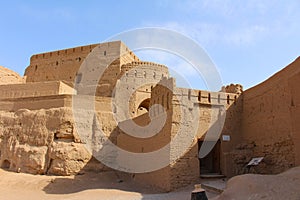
(183, 173)
(89, 178)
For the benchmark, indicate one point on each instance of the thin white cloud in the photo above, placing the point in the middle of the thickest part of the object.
(232, 22)
(174, 62)
(245, 35)
(183, 71)
(211, 34)
(46, 13)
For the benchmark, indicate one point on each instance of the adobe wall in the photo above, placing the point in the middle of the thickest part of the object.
(159, 179)
(39, 89)
(233, 129)
(41, 139)
(34, 96)
(186, 168)
(38, 134)
(29, 142)
(46, 102)
(63, 65)
(270, 122)
(114, 72)
(43, 94)
(210, 106)
(57, 65)
(132, 83)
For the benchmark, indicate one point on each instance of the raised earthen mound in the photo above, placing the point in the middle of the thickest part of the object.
(8, 76)
(252, 186)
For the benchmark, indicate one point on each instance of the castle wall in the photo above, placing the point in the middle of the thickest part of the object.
(114, 71)
(39, 89)
(63, 65)
(270, 122)
(159, 178)
(184, 170)
(42, 92)
(34, 96)
(38, 134)
(137, 81)
(209, 105)
(46, 102)
(233, 129)
(57, 65)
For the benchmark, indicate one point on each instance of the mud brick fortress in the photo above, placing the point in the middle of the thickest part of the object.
(38, 135)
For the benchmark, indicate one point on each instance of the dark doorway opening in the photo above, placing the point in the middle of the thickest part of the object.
(210, 164)
(5, 164)
(143, 107)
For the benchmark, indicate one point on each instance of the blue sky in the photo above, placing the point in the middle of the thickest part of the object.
(247, 40)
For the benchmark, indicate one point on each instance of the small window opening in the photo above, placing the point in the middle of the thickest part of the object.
(78, 78)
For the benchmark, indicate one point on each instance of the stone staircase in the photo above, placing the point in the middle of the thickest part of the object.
(214, 184)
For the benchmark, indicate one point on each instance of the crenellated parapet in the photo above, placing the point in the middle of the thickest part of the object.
(233, 88)
(192, 96)
(144, 70)
(64, 64)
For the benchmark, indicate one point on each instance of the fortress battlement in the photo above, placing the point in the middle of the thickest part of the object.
(40, 114)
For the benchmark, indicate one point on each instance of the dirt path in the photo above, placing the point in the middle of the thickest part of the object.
(104, 186)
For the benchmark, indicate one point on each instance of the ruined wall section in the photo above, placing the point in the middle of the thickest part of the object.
(44, 140)
(28, 142)
(271, 122)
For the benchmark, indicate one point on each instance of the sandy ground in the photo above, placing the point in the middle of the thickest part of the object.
(103, 186)
(107, 186)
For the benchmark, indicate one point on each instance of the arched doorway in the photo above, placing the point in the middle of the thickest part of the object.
(143, 107)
